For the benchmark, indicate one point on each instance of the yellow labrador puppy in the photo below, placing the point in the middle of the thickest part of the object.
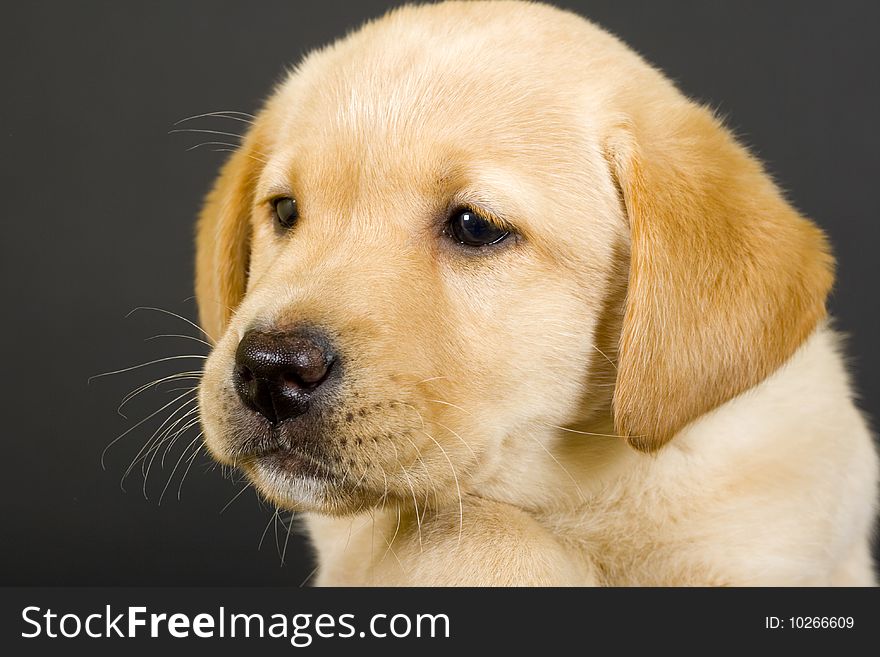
(495, 304)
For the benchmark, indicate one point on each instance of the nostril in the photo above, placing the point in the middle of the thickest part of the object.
(305, 378)
(245, 374)
(310, 371)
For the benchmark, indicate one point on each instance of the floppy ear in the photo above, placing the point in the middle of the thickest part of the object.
(223, 239)
(726, 278)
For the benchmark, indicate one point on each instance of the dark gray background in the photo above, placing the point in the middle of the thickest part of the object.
(99, 201)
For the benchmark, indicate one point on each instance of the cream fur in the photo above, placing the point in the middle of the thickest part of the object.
(775, 487)
(660, 294)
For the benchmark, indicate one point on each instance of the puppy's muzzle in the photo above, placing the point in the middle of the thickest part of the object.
(280, 374)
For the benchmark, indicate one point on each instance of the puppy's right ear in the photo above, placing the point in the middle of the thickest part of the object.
(223, 238)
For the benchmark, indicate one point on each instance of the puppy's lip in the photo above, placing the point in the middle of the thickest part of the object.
(293, 462)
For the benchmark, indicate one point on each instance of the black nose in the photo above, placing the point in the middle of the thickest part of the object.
(278, 372)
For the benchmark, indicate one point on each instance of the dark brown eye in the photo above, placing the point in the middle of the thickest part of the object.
(468, 228)
(286, 213)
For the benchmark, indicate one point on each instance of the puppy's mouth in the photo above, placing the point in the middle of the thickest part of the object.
(292, 478)
(290, 462)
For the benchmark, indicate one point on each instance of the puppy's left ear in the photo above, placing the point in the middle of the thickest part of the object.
(223, 238)
(726, 278)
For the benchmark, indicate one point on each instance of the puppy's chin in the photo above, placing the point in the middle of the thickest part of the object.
(294, 481)
(304, 490)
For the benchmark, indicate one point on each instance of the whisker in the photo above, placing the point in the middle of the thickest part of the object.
(235, 497)
(189, 465)
(164, 429)
(393, 538)
(260, 545)
(190, 423)
(457, 487)
(192, 297)
(446, 403)
(415, 410)
(156, 444)
(244, 117)
(385, 491)
(130, 429)
(173, 314)
(174, 469)
(561, 467)
(287, 538)
(372, 539)
(152, 362)
(415, 503)
(155, 441)
(587, 433)
(433, 378)
(205, 131)
(344, 477)
(192, 374)
(464, 442)
(275, 531)
(363, 476)
(350, 527)
(179, 335)
(309, 576)
(211, 143)
(427, 472)
(611, 362)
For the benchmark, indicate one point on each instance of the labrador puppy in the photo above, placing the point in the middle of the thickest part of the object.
(495, 304)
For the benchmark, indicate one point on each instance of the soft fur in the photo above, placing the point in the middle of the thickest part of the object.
(639, 388)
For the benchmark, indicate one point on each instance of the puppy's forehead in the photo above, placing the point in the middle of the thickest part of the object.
(417, 90)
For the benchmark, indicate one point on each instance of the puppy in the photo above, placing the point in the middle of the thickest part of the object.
(497, 305)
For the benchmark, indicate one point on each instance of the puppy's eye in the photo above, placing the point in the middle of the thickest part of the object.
(468, 228)
(286, 213)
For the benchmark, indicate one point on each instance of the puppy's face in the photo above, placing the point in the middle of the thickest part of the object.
(420, 239)
(417, 256)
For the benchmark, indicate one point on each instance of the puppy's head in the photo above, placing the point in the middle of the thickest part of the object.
(468, 221)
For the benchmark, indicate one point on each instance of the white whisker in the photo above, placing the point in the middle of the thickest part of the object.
(415, 503)
(309, 576)
(391, 542)
(457, 487)
(440, 401)
(260, 545)
(154, 450)
(587, 433)
(130, 429)
(189, 465)
(235, 497)
(611, 362)
(433, 378)
(287, 538)
(174, 469)
(464, 442)
(179, 335)
(192, 374)
(152, 362)
(173, 314)
(211, 143)
(191, 422)
(561, 467)
(205, 131)
(162, 431)
(244, 117)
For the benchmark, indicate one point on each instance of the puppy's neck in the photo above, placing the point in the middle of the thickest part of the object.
(551, 467)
